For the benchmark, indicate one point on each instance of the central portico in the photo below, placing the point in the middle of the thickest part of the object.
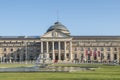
(57, 43)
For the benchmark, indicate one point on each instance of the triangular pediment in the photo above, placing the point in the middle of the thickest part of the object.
(54, 33)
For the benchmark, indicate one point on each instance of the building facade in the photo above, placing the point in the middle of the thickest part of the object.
(61, 47)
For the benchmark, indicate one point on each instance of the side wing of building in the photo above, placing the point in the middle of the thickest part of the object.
(105, 49)
(19, 49)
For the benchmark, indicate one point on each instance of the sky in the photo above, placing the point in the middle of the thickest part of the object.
(81, 17)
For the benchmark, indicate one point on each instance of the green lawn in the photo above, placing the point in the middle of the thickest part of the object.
(104, 72)
(15, 65)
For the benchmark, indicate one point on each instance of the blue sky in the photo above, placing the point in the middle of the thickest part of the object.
(81, 17)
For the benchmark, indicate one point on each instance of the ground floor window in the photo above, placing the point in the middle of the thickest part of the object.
(67, 55)
(115, 56)
(62, 56)
(108, 56)
(50, 55)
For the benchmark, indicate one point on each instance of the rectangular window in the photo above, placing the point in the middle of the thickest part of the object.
(115, 56)
(108, 56)
(4, 49)
(75, 49)
(88, 49)
(11, 49)
(115, 49)
(81, 49)
(108, 49)
(75, 56)
(67, 55)
(102, 49)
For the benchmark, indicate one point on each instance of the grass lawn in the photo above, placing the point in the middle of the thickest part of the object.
(15, 65)
(104, 72)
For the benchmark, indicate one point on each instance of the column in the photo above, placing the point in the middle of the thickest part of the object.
(105, 54)
(118, 55)
(92, 55)
(59, 54)
(16, 56)
(71, 58)
(65, 50)
(1, 59)
(47, 51)
(112, 54)
(41, 46)
(47, 47)
(53, 54)
(84, 58)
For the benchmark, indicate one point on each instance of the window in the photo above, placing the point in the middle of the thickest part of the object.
(11, 49)
(54, 34)
(11, 54)
(102, 56)
(95, 56)
(108, 56)
(81, 49)
(31, 49)
(75, 56)
(18, 50)
(4, 49)
(82, 56)
(67, 55)
(115, 56)
(5, 55)
(38, 50)
(88, 49)
(56, 45)
(102, 49)
(95, 49)
(62, 45)
(75, 49)
(115, 49)
(22, 42)
(108, 49)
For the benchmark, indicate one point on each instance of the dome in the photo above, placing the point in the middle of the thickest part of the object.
(59, 27)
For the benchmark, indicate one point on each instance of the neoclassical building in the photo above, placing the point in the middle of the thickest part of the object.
(61, 47)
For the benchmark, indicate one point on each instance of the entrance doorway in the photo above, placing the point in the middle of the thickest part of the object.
(62, 56)
(56, 57)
